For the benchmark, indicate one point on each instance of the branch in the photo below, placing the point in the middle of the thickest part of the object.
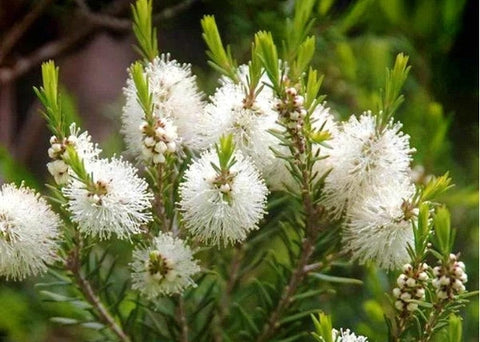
(55, 48)
(121, 24)
(74, 265)
(182, 320)
(17, 31)
(96, 21)
(296, 279)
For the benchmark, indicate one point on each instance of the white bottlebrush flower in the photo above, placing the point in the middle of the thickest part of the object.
(118, 204)
(345, 335)
(222, 213)
(378, 225)
(362, 158)
(165, 268)
(248, 121)
(83, 145)
(28, 233)
(175, 96)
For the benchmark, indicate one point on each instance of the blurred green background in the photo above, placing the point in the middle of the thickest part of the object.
(356, 41)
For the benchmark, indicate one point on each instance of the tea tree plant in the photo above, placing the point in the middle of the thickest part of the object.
(235, 208)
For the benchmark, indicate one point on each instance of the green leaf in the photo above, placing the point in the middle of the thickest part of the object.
(50, 98)
(304, 57)
(296, 30)
(64, 320)
(220, 58)
(443, 239)
(143, 29)
(225, 150)
(335, 279)
(144, 96)
(323, 327)
(268, 54)
(391, 98)
(454, 329)
(436, 186)
(314, 82)
(93, 325)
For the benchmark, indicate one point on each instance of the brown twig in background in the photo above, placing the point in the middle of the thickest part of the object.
(96, 21)
(17, 31)
(122, 24)
(7, 103)
(53, 49)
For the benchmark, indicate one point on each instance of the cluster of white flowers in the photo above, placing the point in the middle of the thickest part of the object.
(119, 201)
(345, 335)
(365, 157)
(158, 140)
(411, 285)
(28, 233)
(175, 97)
(248, 119)
(450, 279)
(222, 208)
(82, 144)
(378, 225)
(164, 268)
(370, 185)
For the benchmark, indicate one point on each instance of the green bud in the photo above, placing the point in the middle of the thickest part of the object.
(220, 58)
(444, 234)
(143, 29)
(323, 327)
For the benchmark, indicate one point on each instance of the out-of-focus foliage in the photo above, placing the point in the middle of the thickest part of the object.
(356, 41)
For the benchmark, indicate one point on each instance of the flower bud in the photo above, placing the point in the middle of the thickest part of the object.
(171, 147)
(405, 296)
(149, 141)
(411, 282)
(457, 284)
(412, 306)
(423, 276)
(401, 280)
(399, 305)
(225, 188)
(442, 294)
(158, 159)
(396, 292)
(444, 280)
(160, 147)
(420, 293)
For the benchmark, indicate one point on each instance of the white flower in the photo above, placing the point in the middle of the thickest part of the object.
(249, 122)
(119, 202)
(83, 145)
(164, 268)
(347, 336)
(376, 228)
(362, 157)
(218, 216)
(175, 96)
(28, 230)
